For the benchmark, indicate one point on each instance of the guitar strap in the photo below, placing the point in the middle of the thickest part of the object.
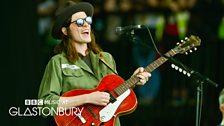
(101, 59)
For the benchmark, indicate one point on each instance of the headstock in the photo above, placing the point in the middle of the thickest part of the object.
(188, 44)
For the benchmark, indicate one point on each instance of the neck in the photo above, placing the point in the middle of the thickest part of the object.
(81, 48)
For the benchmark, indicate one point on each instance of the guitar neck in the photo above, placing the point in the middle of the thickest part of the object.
(134, 79)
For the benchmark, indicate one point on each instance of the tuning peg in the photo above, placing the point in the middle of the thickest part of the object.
(195, 49)
(186, 53)
(188, 74)
(172, 65)
(182, 41)
(190, 51)
(180, 70)
(176, 67)
(186, 38)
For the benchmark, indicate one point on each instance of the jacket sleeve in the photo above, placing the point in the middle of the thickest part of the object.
(50, 88)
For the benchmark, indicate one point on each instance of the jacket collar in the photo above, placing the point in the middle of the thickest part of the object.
(95, 64)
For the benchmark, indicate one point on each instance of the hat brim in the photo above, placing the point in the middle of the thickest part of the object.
(66, 13)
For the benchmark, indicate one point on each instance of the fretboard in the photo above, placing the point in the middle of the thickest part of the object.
(134, 79)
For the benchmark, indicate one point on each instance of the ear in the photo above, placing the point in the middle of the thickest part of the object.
(221, 107)
(64, 31)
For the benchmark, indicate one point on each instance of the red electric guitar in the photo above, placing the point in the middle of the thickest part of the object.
(123, 99)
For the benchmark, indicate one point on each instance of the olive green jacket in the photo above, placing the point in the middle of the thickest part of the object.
(60, 76)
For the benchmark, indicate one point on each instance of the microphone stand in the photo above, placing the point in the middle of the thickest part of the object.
(131, 33)
(191, 71)
(201, 79)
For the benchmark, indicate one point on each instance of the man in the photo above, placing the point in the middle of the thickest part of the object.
(221, 106)
(79, 62)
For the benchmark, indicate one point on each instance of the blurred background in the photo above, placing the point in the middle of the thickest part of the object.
(169, 98)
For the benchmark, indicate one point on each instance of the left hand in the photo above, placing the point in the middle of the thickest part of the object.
(142, 75)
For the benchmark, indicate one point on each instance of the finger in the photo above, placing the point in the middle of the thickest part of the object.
(136, 71)
(106, 95)
(149, 74)
(146, 74)
(140, 76)
(141, 69)
(141, 82)
(105, 101)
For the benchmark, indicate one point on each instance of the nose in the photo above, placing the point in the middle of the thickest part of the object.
(85, 24)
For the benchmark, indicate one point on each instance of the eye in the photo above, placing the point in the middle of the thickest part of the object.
(89, 20)
(80, 22)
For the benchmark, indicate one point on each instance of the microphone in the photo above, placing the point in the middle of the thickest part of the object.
(121, 30)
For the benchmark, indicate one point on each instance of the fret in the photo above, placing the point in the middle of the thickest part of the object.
(170, 53)
(155, 64)
(119, 90)
(133, 80)
(150, 68)
(126, 85)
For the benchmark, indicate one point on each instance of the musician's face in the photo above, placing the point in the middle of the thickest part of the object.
(79, 30)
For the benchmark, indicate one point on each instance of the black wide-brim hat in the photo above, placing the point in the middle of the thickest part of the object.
(65, 12)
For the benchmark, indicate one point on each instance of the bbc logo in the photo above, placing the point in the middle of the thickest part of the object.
(33, 102)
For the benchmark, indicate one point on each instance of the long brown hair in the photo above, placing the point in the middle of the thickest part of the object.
(70, 52)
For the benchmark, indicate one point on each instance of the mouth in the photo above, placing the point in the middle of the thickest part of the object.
(86, 32)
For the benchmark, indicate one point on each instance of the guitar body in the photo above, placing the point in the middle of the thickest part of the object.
(90, 112)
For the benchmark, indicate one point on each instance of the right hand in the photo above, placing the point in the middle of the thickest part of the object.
(99, 98)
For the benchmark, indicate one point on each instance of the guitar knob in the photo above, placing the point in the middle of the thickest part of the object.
(176, 67)
(180, 70)
(93, 124)
(102, 118)
(172, 65)
(188, 74)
